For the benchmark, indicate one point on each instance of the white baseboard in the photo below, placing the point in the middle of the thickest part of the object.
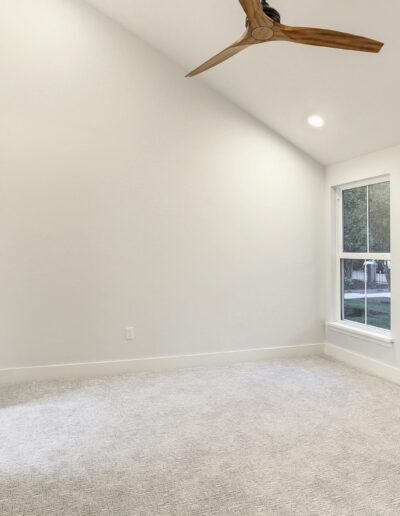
(364, 363)
(53, 372)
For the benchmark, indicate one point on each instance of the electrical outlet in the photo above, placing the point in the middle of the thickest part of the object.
(129, 333)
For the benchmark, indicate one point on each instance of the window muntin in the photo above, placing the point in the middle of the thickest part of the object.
(364, 258)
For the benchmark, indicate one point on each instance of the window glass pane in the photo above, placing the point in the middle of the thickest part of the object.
(355, 220)
(379, 293)
(353, 298)
(379, 217)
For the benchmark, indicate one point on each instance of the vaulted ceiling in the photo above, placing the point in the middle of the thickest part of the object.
(281, 83)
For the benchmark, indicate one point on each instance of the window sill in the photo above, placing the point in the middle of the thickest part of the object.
(383, 338)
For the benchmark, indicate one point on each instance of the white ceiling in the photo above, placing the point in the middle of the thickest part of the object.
(281, 83)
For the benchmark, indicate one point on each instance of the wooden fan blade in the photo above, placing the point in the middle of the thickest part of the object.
(251, 8)
(229, 52)
(255, 13)
(325, 38)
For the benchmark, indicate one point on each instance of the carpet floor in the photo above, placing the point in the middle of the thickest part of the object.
(285, 437)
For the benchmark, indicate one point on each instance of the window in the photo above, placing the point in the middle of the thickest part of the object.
(364, 260)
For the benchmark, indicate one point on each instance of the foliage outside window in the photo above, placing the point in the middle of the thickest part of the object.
(365, 261)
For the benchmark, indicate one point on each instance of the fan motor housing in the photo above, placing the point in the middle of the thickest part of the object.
(269, 11)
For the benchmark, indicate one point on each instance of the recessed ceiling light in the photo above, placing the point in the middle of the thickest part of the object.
(316, 121)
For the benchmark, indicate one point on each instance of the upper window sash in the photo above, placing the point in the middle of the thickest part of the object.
(340, 215)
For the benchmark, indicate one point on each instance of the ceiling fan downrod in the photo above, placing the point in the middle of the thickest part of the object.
(269, 11)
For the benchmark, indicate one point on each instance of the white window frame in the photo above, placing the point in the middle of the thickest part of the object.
(341, 255)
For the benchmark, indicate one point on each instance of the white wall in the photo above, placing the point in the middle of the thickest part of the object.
(130, 195)
(369, 166)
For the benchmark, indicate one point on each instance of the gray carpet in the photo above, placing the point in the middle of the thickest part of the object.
(289, 437)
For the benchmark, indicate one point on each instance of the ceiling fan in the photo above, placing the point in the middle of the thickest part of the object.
(263, 24)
